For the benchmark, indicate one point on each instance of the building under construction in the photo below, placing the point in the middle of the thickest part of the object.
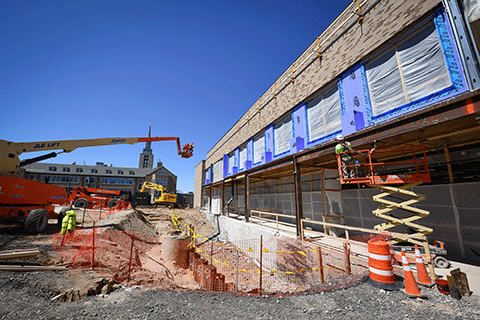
(387, 75)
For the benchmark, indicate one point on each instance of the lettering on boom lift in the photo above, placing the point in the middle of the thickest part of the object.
(47, 145)
(118, 141)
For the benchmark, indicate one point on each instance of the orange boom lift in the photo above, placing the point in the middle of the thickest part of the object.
(31, 203)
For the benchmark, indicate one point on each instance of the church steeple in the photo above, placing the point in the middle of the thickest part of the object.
(146, 157)
(148, 144)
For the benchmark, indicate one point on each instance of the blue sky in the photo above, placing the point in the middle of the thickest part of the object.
(96, 69)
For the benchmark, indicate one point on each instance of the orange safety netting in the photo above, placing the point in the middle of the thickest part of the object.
(273, 266)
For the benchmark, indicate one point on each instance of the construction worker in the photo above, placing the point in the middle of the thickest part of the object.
(69, 222)
(344, 148)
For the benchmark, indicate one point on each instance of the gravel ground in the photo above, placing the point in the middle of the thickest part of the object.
(29, 295)
(24, 296)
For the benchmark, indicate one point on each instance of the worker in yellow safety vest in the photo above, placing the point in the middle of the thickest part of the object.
(344, 149)
(69, 222)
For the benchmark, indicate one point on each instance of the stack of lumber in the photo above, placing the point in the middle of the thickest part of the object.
(23, 254)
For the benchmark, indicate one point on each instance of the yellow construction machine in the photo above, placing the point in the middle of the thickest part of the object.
(161, 197)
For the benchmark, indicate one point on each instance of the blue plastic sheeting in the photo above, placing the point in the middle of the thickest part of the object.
(354, 101)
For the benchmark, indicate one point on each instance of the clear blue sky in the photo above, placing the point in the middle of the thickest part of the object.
(95, 69)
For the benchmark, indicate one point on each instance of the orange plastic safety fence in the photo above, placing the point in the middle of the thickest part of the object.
(274, 266)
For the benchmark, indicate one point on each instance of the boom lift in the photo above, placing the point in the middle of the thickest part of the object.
(161, 196)
(32, 203)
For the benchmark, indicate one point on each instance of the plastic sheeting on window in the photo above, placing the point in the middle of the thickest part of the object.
(231, 158)
(472, 8)
(243, 156)
(217, 171)
(414, 69)
(283, 132)
(423, 65)
(385, 84)
(258, 148)
(324, 115)
(332, 111)
(316, 129)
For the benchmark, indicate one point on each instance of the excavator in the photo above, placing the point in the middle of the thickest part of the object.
(161, 196)
(31, 203)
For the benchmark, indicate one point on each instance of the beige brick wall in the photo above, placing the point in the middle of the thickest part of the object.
(387, 19)
(199, 178)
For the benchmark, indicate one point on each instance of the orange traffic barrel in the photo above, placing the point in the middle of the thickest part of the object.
(380, 265)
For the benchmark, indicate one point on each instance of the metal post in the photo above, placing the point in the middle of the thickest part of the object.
(130, 261)
(428, 256)
(298, 195)
(449, 165)
(261, 262)
(346, 254)
(324, 214)
(320, 265)
(211, 252)
(83, 217)
(93, 247)
(210, 200)
(247, 194)
(237, 271)
(100, 212)
(222, 198)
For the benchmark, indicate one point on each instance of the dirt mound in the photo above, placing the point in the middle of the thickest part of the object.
(127, 220)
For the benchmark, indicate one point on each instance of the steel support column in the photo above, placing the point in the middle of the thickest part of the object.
(222, 198)
(297, 177)
(210, 200)
(247, 194)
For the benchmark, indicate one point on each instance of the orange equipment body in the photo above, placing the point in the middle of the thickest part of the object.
(413, 168)
(18, 196)
(21, 197)
(93, 196)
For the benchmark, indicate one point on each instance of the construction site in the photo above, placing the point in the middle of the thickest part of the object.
(348, 188)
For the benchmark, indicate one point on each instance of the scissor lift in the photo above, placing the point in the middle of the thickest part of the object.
(409, 168)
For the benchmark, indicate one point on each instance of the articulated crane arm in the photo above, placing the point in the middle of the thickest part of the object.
(151, 185)
(9, 151)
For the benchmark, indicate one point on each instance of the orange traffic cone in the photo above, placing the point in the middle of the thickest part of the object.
(411, 287)
(422, 275)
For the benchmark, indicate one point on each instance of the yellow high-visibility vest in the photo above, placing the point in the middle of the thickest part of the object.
(69, 222)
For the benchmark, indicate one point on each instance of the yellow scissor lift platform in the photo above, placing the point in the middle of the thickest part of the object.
(381, 169)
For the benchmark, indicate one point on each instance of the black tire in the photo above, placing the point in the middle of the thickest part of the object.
(62, 214)
(441, 262)
(36, 221)
(111, 203)
(81, 203)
